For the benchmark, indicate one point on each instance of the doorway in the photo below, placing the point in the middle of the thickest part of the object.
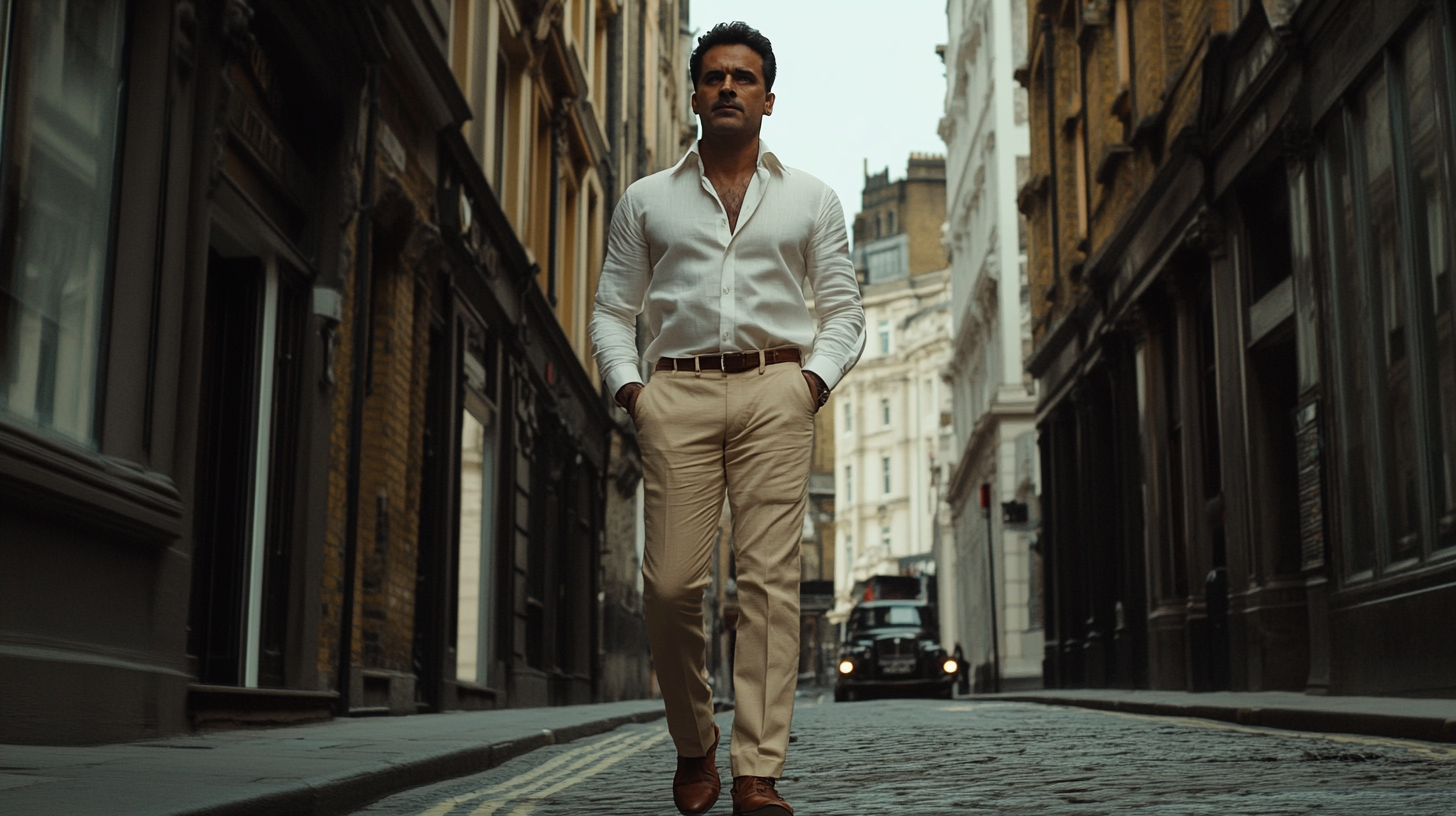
(255, 318)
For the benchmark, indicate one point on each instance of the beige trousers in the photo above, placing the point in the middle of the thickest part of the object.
(749, 434)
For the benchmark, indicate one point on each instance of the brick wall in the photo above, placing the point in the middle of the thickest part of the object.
(1111, 138)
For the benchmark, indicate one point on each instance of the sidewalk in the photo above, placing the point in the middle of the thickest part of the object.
(326, 768)
(1395, 717)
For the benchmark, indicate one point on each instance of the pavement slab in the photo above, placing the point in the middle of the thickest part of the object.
(1401, 717)
(323, 768)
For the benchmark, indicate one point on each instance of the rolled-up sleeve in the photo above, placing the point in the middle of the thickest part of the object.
(621, 291)
(841, 337)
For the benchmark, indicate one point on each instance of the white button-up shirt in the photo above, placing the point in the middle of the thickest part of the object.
(707, 289)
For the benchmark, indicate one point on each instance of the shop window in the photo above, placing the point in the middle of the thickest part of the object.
(1386, 190)
(1389, 317)
(1353, 375)
(61, 114)
(1432, 163)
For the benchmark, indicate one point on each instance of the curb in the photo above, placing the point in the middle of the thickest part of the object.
(345, 793)
(1370, 724)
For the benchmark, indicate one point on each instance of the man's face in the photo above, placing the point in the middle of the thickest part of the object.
(730, 99)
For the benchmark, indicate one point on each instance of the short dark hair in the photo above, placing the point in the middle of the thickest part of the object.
(734, 33)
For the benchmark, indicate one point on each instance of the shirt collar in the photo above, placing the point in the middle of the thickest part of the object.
(766, 158)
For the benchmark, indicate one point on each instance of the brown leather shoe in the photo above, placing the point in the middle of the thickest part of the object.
(756, 796)
(695, 786)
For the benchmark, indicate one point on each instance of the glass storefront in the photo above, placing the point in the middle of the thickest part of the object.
(1386, 177)
(61, 106)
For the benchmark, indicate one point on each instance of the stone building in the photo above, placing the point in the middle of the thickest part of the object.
(1240, 251)
(296, 416)
(990, 570)
(891, 412)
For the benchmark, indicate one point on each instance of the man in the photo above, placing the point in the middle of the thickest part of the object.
(717, 251)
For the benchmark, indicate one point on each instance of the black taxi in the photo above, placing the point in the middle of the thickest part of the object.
(892, 648)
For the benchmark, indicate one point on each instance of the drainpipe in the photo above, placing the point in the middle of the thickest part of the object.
(553, 258)
(988, 501)
(363, 287)
(1049, 67)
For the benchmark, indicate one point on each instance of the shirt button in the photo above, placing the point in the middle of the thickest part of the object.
(727, 289)
(727, 335)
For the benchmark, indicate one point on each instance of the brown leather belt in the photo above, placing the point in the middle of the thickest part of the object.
(731, 362)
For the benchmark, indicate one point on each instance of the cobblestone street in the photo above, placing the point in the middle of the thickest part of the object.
(923, 757)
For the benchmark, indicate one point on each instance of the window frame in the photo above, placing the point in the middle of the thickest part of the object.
(1372, 413)
(104, 324)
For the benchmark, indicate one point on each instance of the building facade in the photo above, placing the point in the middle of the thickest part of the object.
(990, 570)
(892, 411)
(1241, 247)
(296, 417)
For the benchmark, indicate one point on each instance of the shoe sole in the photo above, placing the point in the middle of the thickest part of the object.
(770, 810)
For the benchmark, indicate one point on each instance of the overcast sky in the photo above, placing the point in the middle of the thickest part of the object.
(857, 80)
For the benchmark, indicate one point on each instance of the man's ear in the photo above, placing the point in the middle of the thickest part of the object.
(768, 105)
(694, 99)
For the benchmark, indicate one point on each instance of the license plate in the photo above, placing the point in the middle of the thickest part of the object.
(897, 665)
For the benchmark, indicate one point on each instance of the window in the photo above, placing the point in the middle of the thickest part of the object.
(502, 115)
(848, 417)
(61, 114)
(885, 412)
(474, 647)
(885, 540)
(885, 469)
(1079, 158)
(849, 483)
(1387, 225)
(877, 617)
(849, 551)
(1432, 160)
(1121, 25)
(884, 337)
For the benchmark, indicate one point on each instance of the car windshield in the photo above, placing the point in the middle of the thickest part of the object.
(906, 615)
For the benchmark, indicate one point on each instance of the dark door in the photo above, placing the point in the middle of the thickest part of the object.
(247, 317)
(225, 472)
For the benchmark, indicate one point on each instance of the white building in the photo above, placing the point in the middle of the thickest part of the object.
(995, 587)
(892, 411)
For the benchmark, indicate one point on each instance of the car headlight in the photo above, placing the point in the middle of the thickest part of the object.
(950, 666)
(846, 666)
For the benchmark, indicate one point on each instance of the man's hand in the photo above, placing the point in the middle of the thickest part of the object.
(627, 397)
(816, 387)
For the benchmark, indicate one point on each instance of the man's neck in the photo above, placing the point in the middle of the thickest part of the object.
(729, 157)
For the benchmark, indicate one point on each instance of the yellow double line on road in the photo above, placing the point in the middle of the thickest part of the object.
(530, 788)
